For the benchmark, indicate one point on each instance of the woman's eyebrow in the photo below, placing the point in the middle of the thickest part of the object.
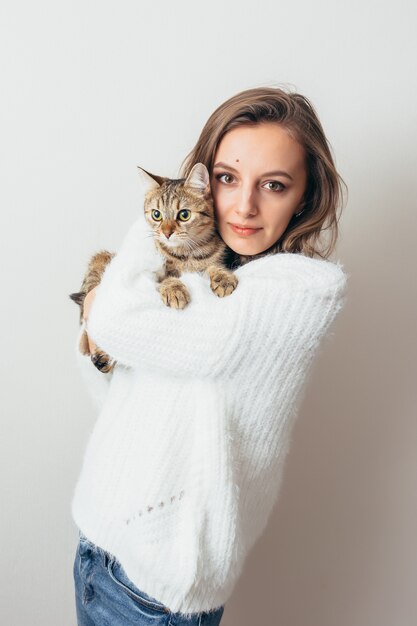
(274, 173)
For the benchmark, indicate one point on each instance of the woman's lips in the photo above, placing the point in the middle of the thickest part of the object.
(243, 230)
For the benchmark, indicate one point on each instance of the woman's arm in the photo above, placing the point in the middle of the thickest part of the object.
(285, 301)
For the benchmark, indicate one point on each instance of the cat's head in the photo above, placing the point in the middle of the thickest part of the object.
(179, 211)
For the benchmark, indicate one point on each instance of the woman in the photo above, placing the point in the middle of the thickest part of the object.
(184, 465)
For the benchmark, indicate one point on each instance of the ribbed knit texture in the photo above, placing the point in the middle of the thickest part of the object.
(185, 461)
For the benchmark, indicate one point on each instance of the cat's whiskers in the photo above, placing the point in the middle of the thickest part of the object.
(190, 244)
(206, 238)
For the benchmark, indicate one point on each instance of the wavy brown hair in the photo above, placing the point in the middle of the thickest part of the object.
(323, 198)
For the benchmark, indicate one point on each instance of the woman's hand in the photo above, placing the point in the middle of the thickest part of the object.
(89, 298)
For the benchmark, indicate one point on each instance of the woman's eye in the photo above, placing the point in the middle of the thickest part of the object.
(219, 176)
(156, 215)
(184, 215)
(280, 186)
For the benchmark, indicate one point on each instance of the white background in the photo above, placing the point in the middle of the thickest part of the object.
(90, 90)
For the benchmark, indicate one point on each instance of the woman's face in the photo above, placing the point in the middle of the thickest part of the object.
(258, 180)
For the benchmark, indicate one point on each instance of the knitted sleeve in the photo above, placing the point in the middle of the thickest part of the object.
(283, 302)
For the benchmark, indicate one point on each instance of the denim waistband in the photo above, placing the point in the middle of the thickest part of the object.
(106, 556)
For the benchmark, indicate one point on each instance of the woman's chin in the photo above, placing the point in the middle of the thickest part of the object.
(246, 248)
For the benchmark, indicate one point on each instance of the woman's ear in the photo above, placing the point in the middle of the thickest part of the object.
(300, 208)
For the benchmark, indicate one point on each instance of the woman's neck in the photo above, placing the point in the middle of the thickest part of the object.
(234, 260)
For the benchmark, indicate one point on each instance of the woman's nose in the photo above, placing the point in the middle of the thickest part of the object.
(246, 204)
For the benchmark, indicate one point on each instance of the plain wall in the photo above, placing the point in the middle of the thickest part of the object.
(90, 90)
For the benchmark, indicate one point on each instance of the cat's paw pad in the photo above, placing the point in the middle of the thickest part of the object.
(174, 294)
(223, 283)
(102, 361)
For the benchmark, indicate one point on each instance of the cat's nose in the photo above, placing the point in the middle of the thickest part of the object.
(168, 231)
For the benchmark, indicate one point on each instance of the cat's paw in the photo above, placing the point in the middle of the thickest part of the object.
(223, 282)
(102, 361)
(174, 293)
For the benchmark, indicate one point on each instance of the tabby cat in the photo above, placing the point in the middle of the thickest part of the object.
(180, 213)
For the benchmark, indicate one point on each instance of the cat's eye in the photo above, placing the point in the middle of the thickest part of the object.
(184, 215)
(156, 215)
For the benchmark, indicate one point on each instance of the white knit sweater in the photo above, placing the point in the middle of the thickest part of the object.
(184, 464)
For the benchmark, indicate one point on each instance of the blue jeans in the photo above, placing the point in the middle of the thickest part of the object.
(105, 596)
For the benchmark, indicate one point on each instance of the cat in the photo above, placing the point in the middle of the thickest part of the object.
(180, 214)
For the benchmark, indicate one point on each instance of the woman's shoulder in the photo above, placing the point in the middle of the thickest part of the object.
(298, 270)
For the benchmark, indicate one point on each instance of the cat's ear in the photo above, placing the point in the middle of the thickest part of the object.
(199, 178)
(149, 181)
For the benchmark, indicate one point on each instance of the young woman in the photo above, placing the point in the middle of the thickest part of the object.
(184, 465)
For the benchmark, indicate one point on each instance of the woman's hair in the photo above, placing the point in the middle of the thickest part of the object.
(323, 197)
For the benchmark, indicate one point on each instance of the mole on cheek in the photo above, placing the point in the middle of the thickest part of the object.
(237, 160)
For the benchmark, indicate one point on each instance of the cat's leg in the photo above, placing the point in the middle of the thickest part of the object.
(174, 293)
(222, 281)
(83, 346)
(92, 278)
(100, 359)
